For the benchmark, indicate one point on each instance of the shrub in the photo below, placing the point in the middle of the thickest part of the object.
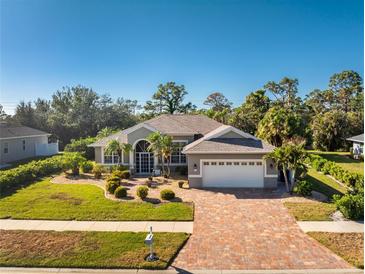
(142, 192)
(327, 167)
(87, 166)
(81, 146)
(318, 163)
(351, 205)
(119, 168)
(120, 192)
(97, 171)
(30, 171)
(113, 178)
(126, 174)
(111, 186)
(117, 173)
(150, 178)
(73, 161)
(167, 194)
(303, 188)
(180, 184)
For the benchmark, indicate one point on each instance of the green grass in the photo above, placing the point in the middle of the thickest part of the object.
(343, 160)
(44, 200)
(311, 211)
(349, 246)
(324, 184)
(86, 249)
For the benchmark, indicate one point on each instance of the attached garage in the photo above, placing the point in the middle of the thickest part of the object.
(233, 173)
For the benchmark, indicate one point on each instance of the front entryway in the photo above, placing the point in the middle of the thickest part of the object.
(144, 159)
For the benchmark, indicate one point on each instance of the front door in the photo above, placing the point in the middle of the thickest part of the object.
(143, 162)
(144, 158)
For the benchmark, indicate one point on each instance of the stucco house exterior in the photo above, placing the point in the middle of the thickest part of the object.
(357, 144)
(21, 142)
(216, 155)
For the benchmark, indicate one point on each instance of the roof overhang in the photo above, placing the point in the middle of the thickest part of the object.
(25, 136)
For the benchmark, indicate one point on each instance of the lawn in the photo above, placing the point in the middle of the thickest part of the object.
(324, 184)
(44, 200)
(311, 211)
(349, 246)
(86, 249)
(343, 160)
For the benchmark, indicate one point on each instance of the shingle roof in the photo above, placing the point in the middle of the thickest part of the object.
(171, 124)
(9, 131)
(231, 145)
(357, 138)
(179, 124)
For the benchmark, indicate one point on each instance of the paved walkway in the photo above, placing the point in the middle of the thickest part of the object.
(343, 226)
(240, 229)
(8, 224)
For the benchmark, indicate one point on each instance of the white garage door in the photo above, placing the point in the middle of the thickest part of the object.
(230, 173)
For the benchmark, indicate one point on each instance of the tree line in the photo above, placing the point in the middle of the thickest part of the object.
(323, 119)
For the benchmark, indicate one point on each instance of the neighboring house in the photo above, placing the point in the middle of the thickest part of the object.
(357, 145)
(216, 155)
(20, 142)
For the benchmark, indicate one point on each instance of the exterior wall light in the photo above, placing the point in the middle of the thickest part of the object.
(195, 168)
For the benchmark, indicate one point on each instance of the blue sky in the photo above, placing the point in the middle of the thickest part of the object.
(126, 48)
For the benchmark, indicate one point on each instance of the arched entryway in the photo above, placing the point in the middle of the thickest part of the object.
(144, 160)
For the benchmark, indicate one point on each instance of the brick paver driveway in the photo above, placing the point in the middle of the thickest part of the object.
(240, 229)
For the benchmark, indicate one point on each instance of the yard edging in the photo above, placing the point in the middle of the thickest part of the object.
(116, 226)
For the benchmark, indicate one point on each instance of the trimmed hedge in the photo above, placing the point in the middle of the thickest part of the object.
(353, 180)
(29, 172)
(351, 204)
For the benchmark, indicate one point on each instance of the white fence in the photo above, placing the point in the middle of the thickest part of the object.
(46, 149)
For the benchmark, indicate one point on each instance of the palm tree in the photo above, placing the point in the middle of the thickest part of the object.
(117, 147)
(166, 150)
(291, 157)
(155, 145)
(162, 146)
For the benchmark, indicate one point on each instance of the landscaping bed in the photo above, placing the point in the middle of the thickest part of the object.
(349, 246)
(86, 249)
(311, 211)
(44, 200)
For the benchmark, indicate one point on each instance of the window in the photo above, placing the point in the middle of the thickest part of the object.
(213, 163)
(229, 163)
(206, 163)
(6, 148)
(259, 163)
(23, 143)
(236, 163)
(251, 163)
(176, 156)
(244, 163)
(111, 159)
(221, 163)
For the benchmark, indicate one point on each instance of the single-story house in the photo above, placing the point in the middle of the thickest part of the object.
(21, 142)
(357, 144)
(216, 155)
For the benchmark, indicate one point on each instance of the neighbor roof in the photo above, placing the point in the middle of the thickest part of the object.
(230, 145)
(357, 138)
(9, 131)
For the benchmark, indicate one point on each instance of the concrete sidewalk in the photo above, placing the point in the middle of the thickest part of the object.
(18, 270)
(343, 226)
(9, 224)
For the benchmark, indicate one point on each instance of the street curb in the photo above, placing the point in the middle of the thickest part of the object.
(12, 270)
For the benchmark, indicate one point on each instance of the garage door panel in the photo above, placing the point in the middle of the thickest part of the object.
(233, 174)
